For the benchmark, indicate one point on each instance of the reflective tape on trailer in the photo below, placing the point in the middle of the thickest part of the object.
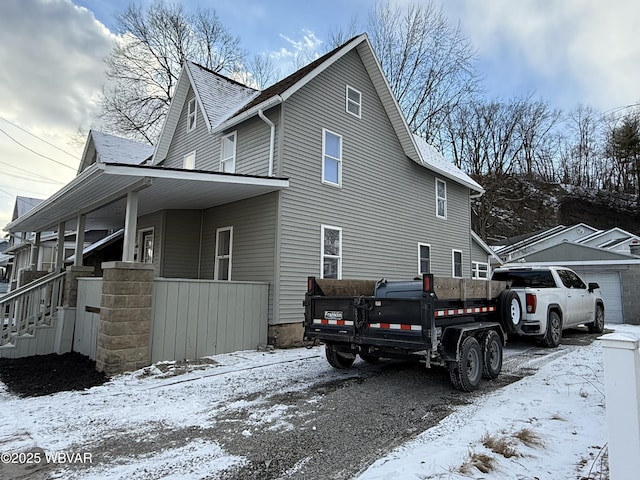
(397, 326)
(324, 321)
(463, 311)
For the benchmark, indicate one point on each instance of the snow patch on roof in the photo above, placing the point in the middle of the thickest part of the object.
(220, 97)
(112, 149)
(434, 160)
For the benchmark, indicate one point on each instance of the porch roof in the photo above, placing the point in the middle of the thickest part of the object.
(100, 191)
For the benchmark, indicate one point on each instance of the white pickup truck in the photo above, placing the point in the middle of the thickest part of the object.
(554, 298)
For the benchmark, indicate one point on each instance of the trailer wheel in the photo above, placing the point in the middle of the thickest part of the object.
(466, 373)
(338, 359)
(369, 358)
(510, 310)
(492, 354)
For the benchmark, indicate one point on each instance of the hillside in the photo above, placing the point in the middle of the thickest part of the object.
(515, 205)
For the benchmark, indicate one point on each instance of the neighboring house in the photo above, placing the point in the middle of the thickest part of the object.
(318, 175)
(609, 257)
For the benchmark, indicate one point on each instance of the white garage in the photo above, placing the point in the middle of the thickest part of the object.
(610, 289)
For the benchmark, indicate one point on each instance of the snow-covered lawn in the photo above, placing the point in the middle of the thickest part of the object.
(550, 425)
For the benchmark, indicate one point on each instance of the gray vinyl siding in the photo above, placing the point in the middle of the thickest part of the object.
(386, 204)
(155, 220)
(478, 254)
(254, 239)
(252, 147)
(182, 244)
(199, 139)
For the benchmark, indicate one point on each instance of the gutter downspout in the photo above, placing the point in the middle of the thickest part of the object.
(272, 139)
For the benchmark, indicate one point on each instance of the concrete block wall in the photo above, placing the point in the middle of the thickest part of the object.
(631, 294)
(124, 331)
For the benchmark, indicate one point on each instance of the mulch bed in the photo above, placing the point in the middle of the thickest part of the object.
(47, 374)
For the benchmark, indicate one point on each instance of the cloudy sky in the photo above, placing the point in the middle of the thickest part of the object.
(566, 52)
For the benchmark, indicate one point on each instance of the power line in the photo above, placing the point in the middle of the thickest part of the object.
(35, 177)
(41, 139)
(37, 153)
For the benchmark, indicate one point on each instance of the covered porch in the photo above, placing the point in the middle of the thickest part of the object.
(113, 197)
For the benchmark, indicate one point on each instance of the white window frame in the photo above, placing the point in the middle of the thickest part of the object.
(480, 270)
(230, 159)
(323, 228)
(192, 114)
(142, 258)
(189, 161)
(325, 156)
(442, 199)
(349, 102)
(420, 245)
(219, 257)
(453, 264)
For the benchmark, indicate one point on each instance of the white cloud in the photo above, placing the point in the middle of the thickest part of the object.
(585, 50)
(52, 71)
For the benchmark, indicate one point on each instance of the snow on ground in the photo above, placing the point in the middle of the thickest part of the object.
(548, 425)
(559, 413)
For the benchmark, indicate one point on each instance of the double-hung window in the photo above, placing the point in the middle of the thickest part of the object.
(441, 198)
(331, 252)
(331, 158)
(191, 115)
(189, 161)
(424, 258)
(228, 153)
(480, 270)
(354, 101)
(456, 263)
(224, 249)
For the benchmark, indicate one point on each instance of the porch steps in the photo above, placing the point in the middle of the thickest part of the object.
(41, 342)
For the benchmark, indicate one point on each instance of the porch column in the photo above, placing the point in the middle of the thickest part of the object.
(60, 253)
(124, 331)
(130, 225)
(35, 248)
(82, 220)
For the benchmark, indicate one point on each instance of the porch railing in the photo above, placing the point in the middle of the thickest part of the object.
(33, 305)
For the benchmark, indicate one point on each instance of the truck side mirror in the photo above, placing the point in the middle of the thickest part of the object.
(593, 286)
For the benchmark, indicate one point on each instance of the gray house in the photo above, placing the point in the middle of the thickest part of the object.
(318, 174)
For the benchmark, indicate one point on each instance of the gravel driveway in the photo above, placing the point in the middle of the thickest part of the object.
(281, 419)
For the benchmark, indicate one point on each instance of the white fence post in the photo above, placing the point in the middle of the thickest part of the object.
(622, 386)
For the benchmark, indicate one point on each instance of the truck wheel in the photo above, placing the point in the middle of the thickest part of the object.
(510, 310)
(598, 324)
(492, 354)
(338, 359)
(369, 358)
(466, 373)
(551, 338)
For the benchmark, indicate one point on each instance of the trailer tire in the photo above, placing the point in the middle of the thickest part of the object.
(338, 359)
(466, 373)
(510, 310)
(492, 355)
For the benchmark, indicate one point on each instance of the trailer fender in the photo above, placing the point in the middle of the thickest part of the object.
(453, 336)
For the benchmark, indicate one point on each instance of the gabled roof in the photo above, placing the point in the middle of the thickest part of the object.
(545, 235)
(564, 252)
(23, 205)
(105, 148)
(225, 103)
(481, 243)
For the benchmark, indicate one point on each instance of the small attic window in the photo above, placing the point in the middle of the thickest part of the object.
(191, 115)
(354, 101)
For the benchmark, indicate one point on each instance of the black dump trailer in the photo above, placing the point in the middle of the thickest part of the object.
(454, 323)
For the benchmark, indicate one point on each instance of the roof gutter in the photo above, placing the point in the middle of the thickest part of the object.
(272, 139)
(275, 100)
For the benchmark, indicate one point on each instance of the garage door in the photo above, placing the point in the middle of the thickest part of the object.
(611, 293)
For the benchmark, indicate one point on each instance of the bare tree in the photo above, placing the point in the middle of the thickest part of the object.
(146, 60)
(429, 64)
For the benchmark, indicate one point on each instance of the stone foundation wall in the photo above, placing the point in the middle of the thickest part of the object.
(124, 332)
